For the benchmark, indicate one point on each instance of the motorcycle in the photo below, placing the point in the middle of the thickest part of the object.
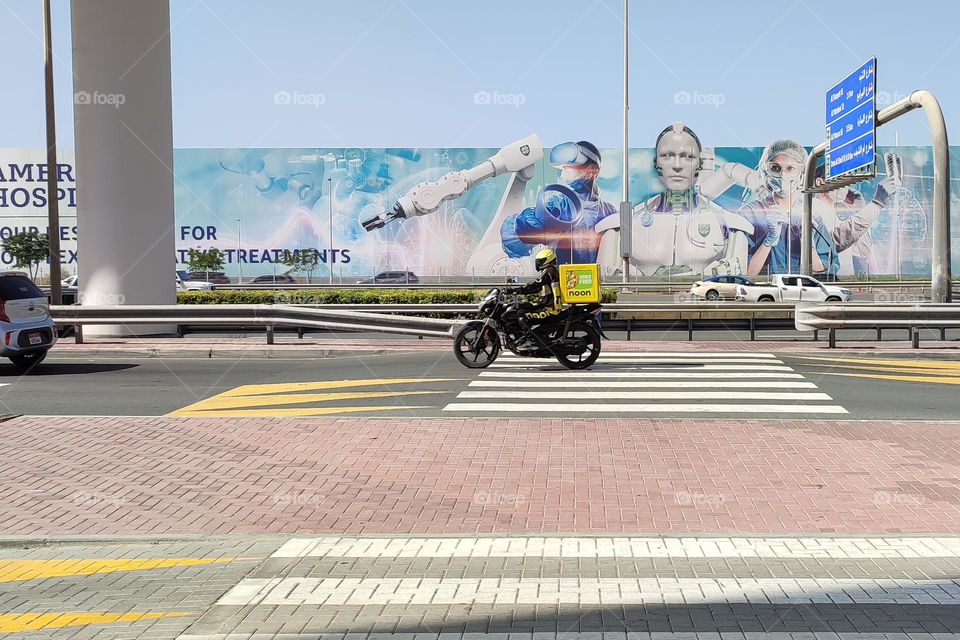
(572, 336)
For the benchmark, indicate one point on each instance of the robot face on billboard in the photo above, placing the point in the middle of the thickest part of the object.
(678, 158)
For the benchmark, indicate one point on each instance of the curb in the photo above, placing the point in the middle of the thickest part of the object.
(226, 353)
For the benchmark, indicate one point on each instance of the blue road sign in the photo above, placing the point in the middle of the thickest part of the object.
(851, 123)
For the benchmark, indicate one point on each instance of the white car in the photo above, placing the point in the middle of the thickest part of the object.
(184, 283)
(793, 288)
(28, 330)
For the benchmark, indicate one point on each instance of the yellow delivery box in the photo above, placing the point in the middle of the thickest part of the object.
(579, 283)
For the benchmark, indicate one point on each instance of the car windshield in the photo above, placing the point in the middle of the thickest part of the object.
(18, 288)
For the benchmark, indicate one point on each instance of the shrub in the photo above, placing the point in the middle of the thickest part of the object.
(345, 296)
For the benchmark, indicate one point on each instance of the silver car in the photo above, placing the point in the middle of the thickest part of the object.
(28, 331)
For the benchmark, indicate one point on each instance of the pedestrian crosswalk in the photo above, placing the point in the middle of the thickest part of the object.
(574, 587)
(648, 383)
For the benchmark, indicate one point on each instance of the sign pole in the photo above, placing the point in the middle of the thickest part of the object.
(53, 201)
(626, 209)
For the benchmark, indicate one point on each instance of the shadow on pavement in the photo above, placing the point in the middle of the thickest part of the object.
(61, 369)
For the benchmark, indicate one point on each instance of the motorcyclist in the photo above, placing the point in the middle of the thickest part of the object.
(546, 287)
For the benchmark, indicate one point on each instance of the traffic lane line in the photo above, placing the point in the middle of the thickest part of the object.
(584, 590)
(918, 364)
(264, 389)
(647, 395)
(649, 367)
(295, 413)
(241, 402)
(896, 378)
(22, 622)
(586, 375)
(658, 384)
(19, 570)
(578, 408)
(822, 547)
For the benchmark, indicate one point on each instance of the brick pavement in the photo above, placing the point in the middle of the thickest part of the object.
(76, 475)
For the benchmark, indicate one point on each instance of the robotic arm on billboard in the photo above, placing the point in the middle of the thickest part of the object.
(518, 158)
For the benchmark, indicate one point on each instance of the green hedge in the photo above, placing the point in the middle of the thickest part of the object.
(345, 296)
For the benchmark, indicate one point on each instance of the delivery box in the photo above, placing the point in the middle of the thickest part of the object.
(579, 283)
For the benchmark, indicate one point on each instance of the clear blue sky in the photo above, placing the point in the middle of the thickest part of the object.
(406, 72)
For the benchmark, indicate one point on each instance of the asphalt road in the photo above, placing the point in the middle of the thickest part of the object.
(692, 385)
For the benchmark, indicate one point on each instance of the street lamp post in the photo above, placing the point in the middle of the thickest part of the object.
(53, 202)
(239, 263)
(330, 199)
(626, 209)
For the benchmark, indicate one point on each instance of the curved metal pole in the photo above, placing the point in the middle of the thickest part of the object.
(940, 267)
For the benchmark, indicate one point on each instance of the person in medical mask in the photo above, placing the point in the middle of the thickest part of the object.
(566, 214)
(777, 212)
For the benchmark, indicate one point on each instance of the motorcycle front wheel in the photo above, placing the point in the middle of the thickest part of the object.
(580, 348)
(476, 345)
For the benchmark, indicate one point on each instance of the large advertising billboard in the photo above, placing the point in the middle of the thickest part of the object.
(698, 210)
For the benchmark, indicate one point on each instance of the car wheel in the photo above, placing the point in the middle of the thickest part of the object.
(713, 294)
(765, 299)
(833, 299)
(27, 361)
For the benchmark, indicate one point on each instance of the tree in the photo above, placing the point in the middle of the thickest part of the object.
(207, 261)
(301, 261)
(28, 249)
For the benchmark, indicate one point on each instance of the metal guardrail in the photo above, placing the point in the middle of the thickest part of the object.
(667, 287)
(405, 318)
(865, 315)
(268, 316)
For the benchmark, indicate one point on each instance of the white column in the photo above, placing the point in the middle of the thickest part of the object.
(124, 155)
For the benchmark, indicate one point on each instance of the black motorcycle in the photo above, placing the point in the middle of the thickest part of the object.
(572, 336)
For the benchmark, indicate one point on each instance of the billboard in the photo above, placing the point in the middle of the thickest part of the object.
(703, 210)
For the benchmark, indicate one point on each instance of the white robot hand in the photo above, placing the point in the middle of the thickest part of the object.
(426, 197)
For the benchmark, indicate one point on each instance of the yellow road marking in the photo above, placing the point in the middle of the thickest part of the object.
(14, 570)
(240, 402)
(912, 364)
(913, 378)
(299, 412)
(20, 622)
(254, 399)
(929, 372)
(261, 389)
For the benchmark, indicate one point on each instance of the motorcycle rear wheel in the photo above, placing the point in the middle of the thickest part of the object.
(580, 332)
(476, 346)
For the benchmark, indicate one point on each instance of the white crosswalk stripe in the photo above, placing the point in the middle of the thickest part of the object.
(644, 384)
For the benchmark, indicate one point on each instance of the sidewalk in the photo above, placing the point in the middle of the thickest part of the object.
(378, 476)
(312, 346)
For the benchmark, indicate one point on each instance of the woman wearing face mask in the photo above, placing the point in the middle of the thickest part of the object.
(776, 216)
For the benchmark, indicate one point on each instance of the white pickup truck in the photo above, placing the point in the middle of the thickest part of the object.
(793, 288)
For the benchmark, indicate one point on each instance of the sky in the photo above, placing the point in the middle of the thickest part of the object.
(431, 73)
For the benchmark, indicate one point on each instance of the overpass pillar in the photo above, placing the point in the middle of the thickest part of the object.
(124, 156)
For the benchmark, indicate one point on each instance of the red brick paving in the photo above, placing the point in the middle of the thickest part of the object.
(461, 476)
